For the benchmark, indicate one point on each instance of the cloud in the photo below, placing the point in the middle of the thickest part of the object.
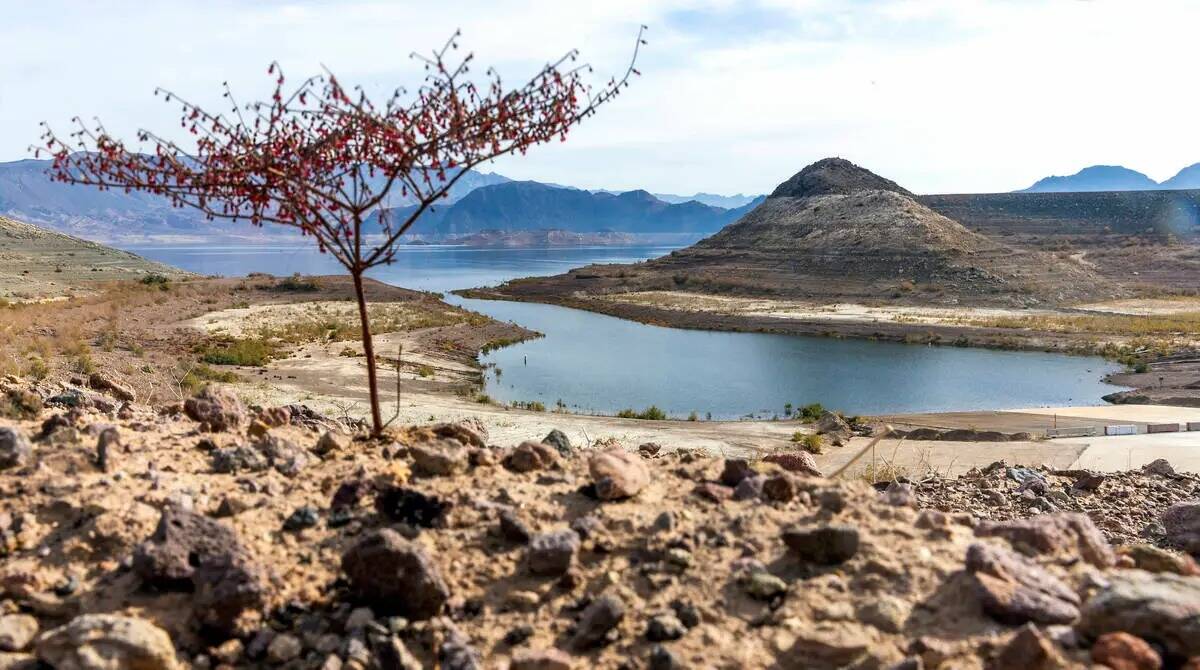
(941, 95)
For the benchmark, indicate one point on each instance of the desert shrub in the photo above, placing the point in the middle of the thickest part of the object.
(425, 371)
(651, 413)
(17, 404)
(483, 399)
(37, 368)
(531, 405)
(298, 284)
(810, 412)
(693, 417)
(198, 376)
(810, 442)
(253, 352)
(162, 282)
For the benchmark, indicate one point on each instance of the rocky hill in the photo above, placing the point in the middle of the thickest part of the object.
(37, 263)
(836, 231)
(1095, 178)
(212, 535)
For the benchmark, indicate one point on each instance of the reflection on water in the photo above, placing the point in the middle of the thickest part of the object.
(599, 363)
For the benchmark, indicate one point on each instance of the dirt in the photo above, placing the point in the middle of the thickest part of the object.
(812, 572)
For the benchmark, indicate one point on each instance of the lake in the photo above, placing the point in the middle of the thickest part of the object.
(597, 363)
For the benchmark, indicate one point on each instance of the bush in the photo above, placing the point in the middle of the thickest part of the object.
(810, 413)
(161, 281)
(298, 284)
(651, 413)
(531, 405)
(693, 417)
(810, 442)
(425, 371)
(248, 352)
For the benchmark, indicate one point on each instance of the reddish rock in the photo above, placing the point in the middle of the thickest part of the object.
(735, 470)
(782, 487)
(618, 474)
(795, 461)
(713, 492)
(1029, 649)
(438, 460)
(530, 456)
(102, 382)
(1056, 535)
(1015, 590)
(541, 659)
(216, 410)
(1122, 651)
(1182, 522)
(552, 554)
(395, 576)
(1160, 608)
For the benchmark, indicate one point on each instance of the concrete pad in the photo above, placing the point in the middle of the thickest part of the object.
(1126, 452)
(1122, 413)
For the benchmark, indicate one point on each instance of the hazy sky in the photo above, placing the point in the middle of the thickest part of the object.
(940, 95)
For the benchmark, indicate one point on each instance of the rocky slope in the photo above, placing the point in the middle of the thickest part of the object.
(837, 232)
(213, 535)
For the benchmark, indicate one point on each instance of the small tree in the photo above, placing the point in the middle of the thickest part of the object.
(323, 160)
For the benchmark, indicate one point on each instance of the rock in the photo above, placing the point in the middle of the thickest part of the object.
(661, 658)
(1182, 523)
(824, 545)
(1089, 481)
(1152, 559)
(469, 433)
(360, 618)
(529, 456)
(329, 442)
(301, 518)
(232, 460)
(835, 427)
(597, 621)
(763, 585)
(1160, 467)
(1014, 590)
(1122, 651)
(392, 654)
(800, 462)
(15, 449)
(107, 642)
(552, 554)
(513, 529)
(217, 410)
(349, 494)
(283, 454)
(886, 612)
(826, 646)
(283, 648)
(1056, 535)
(541, 659)
(102, 382)
(412, 507)
(106, 445)
(15, 661)
(750, 488)
(713, 492)
(782, 487)
(20, 404)
(1029, 649)
(190, 551)
(1160, 608)
(587, 526)
(899, 494)
(395, 576)
(257, 429)
(17, 631)
(735, 470)
(440, 460)
(618, 474)
(665, 627)
(457, 654)
(649, 449)
(559, 440)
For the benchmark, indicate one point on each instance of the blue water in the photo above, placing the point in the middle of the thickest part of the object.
(597, 363)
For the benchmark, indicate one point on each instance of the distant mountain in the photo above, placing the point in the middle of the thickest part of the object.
(540, 238)
(113, 216)
(1187, 178)
(1096, 178)
(711, 199)
(528, 205)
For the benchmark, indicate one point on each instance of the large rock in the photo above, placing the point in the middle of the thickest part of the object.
(215, 409)
(17, 631)
(1059, 535)
(1182, 522)
(395, 576)
(1160, 608)
(1014, 590)
(1029, 649)
(1122, 651)
(107, 642)
(529, 456)
(559, 440)
(834, 427)
(15, 449)
(825, 545)
(596, 621)
(192, 552)
(441, 459)
(800, 462)
(618, 474)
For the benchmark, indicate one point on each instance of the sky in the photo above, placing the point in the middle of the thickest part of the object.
(939, 95)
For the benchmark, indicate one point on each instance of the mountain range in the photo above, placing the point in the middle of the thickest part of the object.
(498, 203)
(1115, 178)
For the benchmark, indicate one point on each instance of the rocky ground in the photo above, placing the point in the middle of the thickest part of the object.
(207, 534)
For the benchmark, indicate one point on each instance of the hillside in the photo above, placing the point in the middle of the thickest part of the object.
(1187, 178)
(38, 263)
(835, 232)
(1095, 178)
(531, 206)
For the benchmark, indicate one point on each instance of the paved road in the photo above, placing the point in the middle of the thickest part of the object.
(1133, 451)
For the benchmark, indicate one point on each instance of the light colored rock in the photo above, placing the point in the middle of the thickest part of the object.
(107, 642)
(17, 631)
(618, 474)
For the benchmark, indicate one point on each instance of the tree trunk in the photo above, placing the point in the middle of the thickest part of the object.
(369, 352)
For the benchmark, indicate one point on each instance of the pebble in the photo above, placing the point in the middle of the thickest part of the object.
(283, 648)
(764, 585)
(17, 631)
(301, 518)
(552, 554)
(597, 621)
(618, 474)
(541, 659)
(825, 545)
(665, 627)
(1122, 651)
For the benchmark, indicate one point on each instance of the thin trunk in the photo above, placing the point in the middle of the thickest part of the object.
(369, 352)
